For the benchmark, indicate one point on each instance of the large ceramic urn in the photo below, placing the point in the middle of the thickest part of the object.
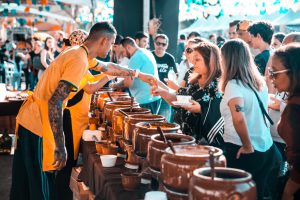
(177, 169)
(111, 106)
(119, 115)
(104, 95)
(157, 146)
(131, 120)
(228, 183)
(143, 132)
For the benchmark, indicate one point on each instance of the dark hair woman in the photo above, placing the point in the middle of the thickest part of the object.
(285, 73)
(201, 119)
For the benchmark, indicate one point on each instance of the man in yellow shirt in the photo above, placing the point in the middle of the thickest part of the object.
(41, 144)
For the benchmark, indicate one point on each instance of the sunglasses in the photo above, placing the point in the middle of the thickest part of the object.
(188, 50)
(161, 44)
(273, 74)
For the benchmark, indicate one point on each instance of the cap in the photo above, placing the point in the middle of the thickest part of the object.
(243, 25)
(78, 37)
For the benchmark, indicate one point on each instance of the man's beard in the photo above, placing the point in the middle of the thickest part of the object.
(128, 54)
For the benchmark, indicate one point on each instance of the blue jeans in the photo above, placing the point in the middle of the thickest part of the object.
(165, 110)
(153, 106)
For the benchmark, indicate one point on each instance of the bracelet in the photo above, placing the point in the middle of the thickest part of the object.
(137, 72)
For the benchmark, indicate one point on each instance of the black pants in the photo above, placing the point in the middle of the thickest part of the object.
(62, 177)
(264, 166)
(28, 179)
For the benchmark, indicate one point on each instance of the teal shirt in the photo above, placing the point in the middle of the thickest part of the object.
(144, 61)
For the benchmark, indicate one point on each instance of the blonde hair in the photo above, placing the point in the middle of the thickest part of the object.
(238, 64)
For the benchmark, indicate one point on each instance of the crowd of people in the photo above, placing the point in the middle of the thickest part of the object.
(244, 90)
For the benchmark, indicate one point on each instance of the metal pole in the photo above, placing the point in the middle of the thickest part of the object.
(146, 14)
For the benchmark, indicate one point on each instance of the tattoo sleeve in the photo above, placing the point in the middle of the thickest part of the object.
(114, 69)
(239, 108)
(55, 112)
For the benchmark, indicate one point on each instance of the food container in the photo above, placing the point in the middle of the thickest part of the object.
(177, 169)
(157, 146)
(108, 160)
(118, 117)
(111, 106)
(131, 120)
(143, 132)
(103, 95)
(228, 183)
(130, 180)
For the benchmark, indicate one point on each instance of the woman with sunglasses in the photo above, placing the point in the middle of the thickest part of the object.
(248, 142)
(285, 73)
(201, 119)
(185, 68)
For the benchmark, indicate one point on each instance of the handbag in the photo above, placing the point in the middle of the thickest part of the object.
(261, 105)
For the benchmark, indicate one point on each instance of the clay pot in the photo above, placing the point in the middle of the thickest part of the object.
(109, 149)
(99, 145)
(115, 99)
(131, 157)
(229, 183)
(174, 195)
(131, 120)
(157, 146)
(143, 132)
(111, 106)
(130, 180)
(103, 95)
(177, 169)
(118, 117)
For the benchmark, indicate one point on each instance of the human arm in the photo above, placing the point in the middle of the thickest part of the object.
(43, 58)
(164, 93)
(236, 106)
(56, 122)
(93, 87)
(195, 107)
(172, 84)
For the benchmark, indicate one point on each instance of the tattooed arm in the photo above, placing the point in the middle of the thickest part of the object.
(56, 121)
(93, 87)
(117, 70)
(237, 110)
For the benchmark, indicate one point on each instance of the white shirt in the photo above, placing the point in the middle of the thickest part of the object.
(259, 133)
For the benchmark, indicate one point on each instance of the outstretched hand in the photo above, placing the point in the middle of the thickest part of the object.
(60, 158)
(195, 107)
(148, 78)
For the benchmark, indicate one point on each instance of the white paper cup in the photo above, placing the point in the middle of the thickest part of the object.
(108, 160)
(183, 98)
(157, 195)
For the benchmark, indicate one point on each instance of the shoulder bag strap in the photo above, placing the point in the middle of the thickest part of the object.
(261, 105)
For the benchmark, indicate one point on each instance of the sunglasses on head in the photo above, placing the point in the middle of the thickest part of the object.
(160, 44)
(188, 50)
(273, 74)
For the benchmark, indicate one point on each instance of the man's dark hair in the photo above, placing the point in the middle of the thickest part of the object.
(128, 41)
(193, 34)
(119, 39)
(234, 23)
(264, 29)
(101, 29)
(162, 36)
(279, 36)
(139, 35)
(182, 37)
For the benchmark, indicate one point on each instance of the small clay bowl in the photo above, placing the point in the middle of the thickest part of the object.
(130, 180)
(109, 149)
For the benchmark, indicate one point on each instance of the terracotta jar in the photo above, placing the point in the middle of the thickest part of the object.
(157, 146)
(111, 106)
(115, 99)
(143, 132)
(131, 180)
(228, 183)
(131, 157)
(103, 95)
(177, 169)
(131, 120)
(118, 117)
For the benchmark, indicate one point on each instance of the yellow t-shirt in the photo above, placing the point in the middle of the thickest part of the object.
(79, 112)
(70, 66)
